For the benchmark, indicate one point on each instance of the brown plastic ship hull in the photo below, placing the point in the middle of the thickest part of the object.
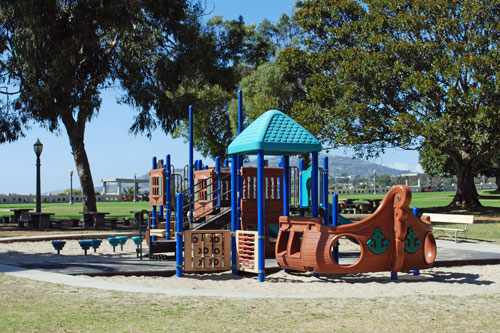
(391, 239)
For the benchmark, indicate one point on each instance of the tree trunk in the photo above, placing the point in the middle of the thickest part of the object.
(75, 135)
(466, 196)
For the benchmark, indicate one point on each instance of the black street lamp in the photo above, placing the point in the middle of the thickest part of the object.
(38, 147)
(135, 187)
(70, 187)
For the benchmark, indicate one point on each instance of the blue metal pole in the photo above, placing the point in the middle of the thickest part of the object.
(217, 182)
(153, 208)
(302, 164)
(326, 216)
(260, 215)
(240, 111)
(286, 185)
(234, 212)
(240, 157)
(314, 188)
(335, 210)
(191, 165)
(239, 187)
(416, 212)
(179, 237)
(335, 222)
(168, 184)
(226, 162)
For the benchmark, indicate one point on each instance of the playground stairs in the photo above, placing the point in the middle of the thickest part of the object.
(216, 220)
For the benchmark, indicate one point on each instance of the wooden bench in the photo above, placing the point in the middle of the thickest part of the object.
(451, 219)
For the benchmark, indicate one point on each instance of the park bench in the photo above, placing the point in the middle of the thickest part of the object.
(464, 220)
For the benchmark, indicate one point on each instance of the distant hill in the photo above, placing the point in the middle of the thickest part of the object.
(338, 165)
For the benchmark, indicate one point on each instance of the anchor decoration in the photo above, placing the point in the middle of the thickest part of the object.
(378, 244)
(412, 243)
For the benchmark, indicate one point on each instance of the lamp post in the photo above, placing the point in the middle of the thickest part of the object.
(374, 181)
(38, 147)
(135, 187)
(70, 187)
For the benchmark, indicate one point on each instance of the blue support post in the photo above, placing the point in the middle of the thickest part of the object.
(302, 164)
(226, 162)
(286, 185)
(179, 237)
(153, 208)
(335, 222)
(416, 212)
(160, 207)
(240, 111)
(260, 215)
(335, 210)
(153, 221)
(217, 182)
(234, 213)
(191, 165)
(314, 188)
(168, 199)
(240, 157)
(326, 217)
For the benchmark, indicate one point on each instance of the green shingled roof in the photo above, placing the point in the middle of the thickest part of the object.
(275, 134)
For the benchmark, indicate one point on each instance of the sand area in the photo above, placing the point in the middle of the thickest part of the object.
(465, 280)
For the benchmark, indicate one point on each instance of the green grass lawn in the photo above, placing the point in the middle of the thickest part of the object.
(66, 211)
(432, 199)
(486, 226)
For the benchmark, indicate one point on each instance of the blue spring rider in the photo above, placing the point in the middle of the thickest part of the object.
(85, 245)
(122, 240)
(137, 241)
(58, 245)
(113, 241)
(95, 243)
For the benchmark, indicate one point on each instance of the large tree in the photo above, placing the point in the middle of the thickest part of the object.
(239, 50)
(61, 54)
(378, 74)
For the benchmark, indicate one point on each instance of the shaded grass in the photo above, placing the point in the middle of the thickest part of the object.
(35, 306)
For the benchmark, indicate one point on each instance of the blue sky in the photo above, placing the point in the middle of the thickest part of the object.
(112, 151)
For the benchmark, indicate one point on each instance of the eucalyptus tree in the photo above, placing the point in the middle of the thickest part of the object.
(61, 54)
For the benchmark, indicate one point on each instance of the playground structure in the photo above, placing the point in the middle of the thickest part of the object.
(255, 203)
(391, 239)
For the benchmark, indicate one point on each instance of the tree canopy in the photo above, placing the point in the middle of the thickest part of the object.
(377, 74)
(61, 54)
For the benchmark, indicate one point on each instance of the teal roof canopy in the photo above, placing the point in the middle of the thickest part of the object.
(275, 134)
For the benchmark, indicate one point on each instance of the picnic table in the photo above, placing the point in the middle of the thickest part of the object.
(40, 220)
(95, 219)
(19, 213)
(374, 202)
(348, 206)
